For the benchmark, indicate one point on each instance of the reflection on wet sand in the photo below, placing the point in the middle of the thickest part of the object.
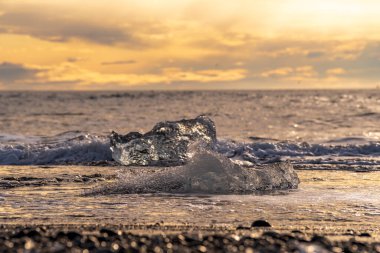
(328, 202)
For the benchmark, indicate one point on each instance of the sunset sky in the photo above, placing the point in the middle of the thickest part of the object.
(189, 44)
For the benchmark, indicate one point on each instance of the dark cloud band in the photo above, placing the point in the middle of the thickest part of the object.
(11, 72)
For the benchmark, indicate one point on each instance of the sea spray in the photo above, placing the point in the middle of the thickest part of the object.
(206, 172)
(82, 149)
(87, 149)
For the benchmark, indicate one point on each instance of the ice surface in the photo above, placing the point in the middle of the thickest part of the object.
(190, 142)
(167, 144)
(206, 172)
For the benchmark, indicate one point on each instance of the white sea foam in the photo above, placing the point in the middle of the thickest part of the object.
(56, 150)
(78, 148)
(267, 151)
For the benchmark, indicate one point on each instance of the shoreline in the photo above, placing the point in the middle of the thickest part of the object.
(331, 211)
(122, 239)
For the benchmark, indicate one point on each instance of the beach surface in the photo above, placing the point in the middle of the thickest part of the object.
(55, 160)
(341, 207)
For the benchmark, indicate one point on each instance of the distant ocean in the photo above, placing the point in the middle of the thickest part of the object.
(312, 129)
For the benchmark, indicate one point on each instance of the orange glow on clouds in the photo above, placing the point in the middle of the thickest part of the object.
(167, 44)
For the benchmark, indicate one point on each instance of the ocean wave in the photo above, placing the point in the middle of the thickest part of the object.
(78, 150)
(81, 148)
(264, 150)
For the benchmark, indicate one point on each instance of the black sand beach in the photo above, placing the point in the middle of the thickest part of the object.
(161, 238)
(62, 192)
(44, 210)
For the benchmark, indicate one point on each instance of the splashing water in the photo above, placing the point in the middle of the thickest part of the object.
(206, 172)
(78, 148)
(65, 148)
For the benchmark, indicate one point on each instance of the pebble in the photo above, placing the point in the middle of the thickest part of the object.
(261, 223)
(104, 239)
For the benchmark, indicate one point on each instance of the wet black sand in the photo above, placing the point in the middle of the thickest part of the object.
(160, 238)
(43, 209)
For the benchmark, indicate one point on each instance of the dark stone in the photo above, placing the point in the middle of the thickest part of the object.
(60, 234)
(95, 175)
(10, 178)
(350, 232)
(108, 232)
(86, 179)
(73, 235)
(261, 223)
(167, 144)
(19, 234)
(33, 234)
(241, 227)
(322, 240)
(271, 234)
(27, 178)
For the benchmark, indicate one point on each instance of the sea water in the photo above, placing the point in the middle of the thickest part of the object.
(331, 137)
(307, 127)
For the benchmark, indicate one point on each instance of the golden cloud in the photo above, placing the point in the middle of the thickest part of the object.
(277, 72)
(290, 73)
(132, 43)
(69, 72)
(335, 71)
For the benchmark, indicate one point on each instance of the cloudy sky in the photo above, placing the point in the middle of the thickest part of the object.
(189, 44)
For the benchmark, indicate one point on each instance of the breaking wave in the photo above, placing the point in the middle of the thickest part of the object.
(273, 151)
(82, 148)
(60, 149)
